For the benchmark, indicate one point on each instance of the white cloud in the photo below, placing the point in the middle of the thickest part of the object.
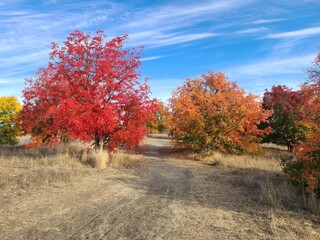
(256, 77)
(90, 21)
(5, 81)
(285, 47)
(265, 21)
(26, 34)
(9, 81)
(151, 58)
(184, 38)
(166, 25)
(183, 14)
(27, 31)
(290, 65)
(161, 40)
(252, 30)
(13, 13)
(27, 58)
(296, 34)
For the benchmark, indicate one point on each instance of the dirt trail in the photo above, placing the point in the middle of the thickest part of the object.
(158, 198)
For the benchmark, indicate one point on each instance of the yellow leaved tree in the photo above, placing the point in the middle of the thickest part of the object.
(9, 109)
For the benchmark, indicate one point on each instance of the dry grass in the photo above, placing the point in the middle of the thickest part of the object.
(122, 159)
(262, 174)
(274, 146)
(22, 168)
(269, 163)
(279, 193)
(247, 192)
(298, 229)
(96, 159)
(101, 159)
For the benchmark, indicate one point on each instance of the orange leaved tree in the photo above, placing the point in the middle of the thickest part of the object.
(211, 112)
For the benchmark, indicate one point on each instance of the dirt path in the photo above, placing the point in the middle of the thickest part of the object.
(158, 198)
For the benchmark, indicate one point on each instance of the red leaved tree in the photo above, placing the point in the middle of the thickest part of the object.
(287, 128)
(304, 169)
(210, 112)
(89, 91)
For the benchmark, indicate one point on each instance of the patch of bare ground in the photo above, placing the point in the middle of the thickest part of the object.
(165, 196)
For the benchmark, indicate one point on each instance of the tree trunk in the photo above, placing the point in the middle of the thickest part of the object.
(100, 146)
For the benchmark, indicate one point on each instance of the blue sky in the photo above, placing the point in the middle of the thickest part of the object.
(258, 43)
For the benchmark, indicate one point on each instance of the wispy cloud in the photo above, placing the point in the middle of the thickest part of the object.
(252, 30)
(28, 27)
(166, 25)
(260, 75)
(183, 13)
(265, 21)
(9, 81)
(276, 66)
(151, 58)
(13, 13)
(296, 34)
(26, 34)
(161, 40)
(24, 58)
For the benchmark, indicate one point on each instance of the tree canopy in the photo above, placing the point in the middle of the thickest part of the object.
(287, 128)
(211, 112)
(89, 91)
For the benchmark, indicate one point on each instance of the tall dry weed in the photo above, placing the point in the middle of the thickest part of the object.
(101, 159)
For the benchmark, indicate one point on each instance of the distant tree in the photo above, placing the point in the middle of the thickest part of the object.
(89, 91)
(9, 109)
(314, 72)
(287, 129)
(159, 122)
(162, 117)
(210, 112)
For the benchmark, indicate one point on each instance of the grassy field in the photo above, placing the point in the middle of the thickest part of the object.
(22, 168)
(222, 195)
